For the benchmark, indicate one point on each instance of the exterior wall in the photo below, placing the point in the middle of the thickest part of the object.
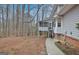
(56, 28)
(68, 25)
(43, 28)
(69, 22)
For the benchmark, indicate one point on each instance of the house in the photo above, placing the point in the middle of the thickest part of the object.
(44, 27)
(66, 17)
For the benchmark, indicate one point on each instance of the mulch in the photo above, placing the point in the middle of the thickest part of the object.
(67, 50)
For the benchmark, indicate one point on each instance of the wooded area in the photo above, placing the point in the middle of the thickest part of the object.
(12, 20)
(16, 21)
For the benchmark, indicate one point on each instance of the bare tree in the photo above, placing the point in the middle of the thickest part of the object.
(17, 21)
(13, 18)
(0, 22)
(43, 18)
(3, 23)
(7, 20)
(38, 21)
(28, 19)
(23, 9)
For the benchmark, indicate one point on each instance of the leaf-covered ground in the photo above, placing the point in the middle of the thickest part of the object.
(21, 46)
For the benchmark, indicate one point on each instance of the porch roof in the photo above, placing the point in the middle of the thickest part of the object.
(66, 8)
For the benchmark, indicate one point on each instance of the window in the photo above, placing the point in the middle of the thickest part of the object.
(43, 24)
(50, 24)
(59, 24)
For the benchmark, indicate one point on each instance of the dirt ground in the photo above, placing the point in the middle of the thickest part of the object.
(23, 46)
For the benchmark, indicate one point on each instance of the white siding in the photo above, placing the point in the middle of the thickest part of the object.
(56, 28)
(43, 28)
(69, 22)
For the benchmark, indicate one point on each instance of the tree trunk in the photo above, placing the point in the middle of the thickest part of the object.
(17, 21)
(43, 19)
(7, 20)
(23, 9)
(3, 34)
(13, 21)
